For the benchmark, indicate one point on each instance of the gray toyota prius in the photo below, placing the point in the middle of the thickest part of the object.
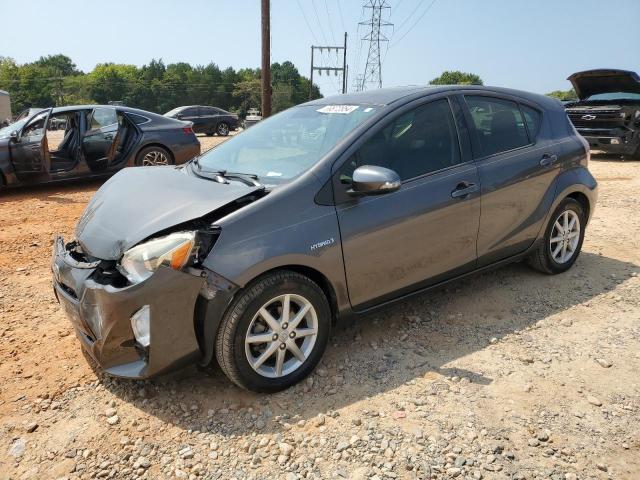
(251, 252)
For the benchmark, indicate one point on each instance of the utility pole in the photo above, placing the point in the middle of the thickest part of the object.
(373, 70)
(266, 59)
(319, 68)
(344, 65)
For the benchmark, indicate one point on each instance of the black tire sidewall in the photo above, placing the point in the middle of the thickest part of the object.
(152, 148)
(249, 377)
(566, 204)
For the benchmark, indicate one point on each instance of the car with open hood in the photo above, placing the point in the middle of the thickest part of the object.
(83, 141)
(607, 112)
(251, 252)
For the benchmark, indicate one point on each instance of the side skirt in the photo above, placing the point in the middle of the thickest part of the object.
(493, 266)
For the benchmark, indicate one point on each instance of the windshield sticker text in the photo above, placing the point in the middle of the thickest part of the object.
(345, 109)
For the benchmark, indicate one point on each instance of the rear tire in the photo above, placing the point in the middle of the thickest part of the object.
(558, 251)
(153, 156)
(266, 341)
(222, 129)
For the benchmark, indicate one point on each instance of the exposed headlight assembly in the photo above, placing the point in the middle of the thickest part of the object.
(174, 250)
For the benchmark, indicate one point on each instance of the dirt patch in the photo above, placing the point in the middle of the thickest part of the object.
(511, 374)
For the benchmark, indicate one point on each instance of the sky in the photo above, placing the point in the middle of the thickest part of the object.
(523, 44)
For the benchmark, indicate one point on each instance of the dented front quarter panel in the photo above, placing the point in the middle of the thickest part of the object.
(285, 228)
(171, 296)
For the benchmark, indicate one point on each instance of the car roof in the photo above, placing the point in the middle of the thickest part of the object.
(196, 106)
(388, 96)
(69, 108)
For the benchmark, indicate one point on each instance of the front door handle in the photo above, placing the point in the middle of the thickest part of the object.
(463, 189)
(548, 159)
(108, 137)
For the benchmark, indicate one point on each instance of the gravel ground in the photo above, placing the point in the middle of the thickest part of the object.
(509, 374)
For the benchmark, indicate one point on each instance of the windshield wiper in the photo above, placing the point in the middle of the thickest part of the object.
(250, 179)
(220, 176)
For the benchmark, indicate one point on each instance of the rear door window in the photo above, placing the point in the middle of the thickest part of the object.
(498, 123)
(208, 111)
(533, 119)
(103, 117)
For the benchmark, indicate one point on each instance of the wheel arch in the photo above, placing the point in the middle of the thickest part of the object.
(579, 184)
(583, 200)
(318, 277)
(207, 321)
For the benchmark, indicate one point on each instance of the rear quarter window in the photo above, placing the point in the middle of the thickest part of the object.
(498, 124)
(533, 119)
(138, 119)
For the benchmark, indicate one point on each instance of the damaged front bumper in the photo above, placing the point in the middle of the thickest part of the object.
(101, 315)
(612, 141)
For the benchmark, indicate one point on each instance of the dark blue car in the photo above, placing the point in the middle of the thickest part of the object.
(88, 141)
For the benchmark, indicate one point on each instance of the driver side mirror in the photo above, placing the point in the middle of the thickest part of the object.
(179, 116)
(373, 180)
(14, 136)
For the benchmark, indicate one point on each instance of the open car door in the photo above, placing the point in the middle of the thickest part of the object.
(29, 150)
(97, 142)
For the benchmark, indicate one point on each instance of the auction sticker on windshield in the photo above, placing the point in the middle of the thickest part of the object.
(337, 109)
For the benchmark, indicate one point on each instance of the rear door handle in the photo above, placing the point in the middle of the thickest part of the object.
(464, 189)
(548, 159)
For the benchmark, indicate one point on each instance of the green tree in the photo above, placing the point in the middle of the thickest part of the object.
(248, 94)
(112, 82)
(61, 65)
(456, 77)
(564, 94)
(54, 80)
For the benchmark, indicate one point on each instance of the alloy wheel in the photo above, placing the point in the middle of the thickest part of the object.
(155, 157)
(223, 129)
(281, 335)
(565, 236)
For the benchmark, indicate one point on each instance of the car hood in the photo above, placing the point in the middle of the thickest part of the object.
(139, 202)
(591, 82)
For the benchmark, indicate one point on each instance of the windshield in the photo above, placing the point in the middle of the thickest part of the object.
(615, 96)
(171, 113)
(285, 145)
(15, 126)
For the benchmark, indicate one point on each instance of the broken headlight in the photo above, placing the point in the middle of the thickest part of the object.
(174, 250)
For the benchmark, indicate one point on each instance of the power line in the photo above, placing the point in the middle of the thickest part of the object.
(326, 7)
(396, 8)
(326, 59)
(324, 39)
(341, 17)
(416, 22)
(403, 23)
(307, 22)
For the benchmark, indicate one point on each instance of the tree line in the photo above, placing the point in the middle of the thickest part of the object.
(55, 80)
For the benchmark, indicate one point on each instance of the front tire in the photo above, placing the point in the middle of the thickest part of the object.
(562, 240)
(274, 333)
